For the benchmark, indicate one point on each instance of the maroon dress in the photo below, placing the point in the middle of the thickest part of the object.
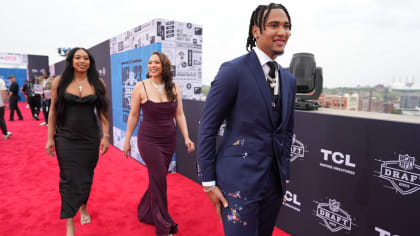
(157, 144)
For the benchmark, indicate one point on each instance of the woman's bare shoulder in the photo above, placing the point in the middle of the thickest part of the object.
(56, 81)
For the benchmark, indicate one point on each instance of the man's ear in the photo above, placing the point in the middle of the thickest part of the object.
(255, 31)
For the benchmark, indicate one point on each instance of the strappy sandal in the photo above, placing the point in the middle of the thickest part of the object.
(84, 220)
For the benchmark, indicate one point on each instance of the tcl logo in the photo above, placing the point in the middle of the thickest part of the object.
(293, 198)
(383, 232)
(338, 158)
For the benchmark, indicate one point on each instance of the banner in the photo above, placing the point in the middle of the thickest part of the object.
(20, 75)
(181, 42)
(59, 67)
(100, 53)
(128, 68)
(352, 176)
(187, 50)
(186, 162)
(13, 59)
(37, 65)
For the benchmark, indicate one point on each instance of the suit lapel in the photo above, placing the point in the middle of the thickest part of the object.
(284, 95)
(259, 77)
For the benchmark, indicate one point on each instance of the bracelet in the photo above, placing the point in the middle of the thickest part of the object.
(209, 189)
(106, 135)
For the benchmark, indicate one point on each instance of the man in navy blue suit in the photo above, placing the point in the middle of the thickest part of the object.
(256, 98)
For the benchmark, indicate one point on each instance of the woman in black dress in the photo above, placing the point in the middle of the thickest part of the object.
(161, 102)
(74, 133)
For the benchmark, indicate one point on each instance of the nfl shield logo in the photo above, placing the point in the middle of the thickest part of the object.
(334, 205)
(406, 162)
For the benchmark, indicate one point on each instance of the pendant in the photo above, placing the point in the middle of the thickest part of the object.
(271, 81)
(80, 88)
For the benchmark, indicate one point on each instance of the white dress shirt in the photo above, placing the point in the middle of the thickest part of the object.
(264, 58)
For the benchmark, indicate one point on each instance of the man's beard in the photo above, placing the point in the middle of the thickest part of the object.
(278, 53)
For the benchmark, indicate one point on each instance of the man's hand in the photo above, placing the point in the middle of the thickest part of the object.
(216, 197)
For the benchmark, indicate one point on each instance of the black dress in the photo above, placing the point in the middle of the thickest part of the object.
(77, 142)
(157, 144)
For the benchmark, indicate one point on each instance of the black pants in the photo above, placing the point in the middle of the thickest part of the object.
(35, 104)
(14, 106)
(46, 108)
(2, 122)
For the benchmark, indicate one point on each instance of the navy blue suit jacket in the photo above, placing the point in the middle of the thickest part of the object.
(240, 95)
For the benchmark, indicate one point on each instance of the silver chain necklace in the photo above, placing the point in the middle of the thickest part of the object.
(272, 81)
(158, 87)
(80, 86)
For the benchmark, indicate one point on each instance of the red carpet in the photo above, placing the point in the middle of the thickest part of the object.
(30, 201)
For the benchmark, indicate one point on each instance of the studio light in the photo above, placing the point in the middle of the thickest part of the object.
(308, 81)
(63, 51)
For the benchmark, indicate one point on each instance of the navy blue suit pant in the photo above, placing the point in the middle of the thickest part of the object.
(246, 217)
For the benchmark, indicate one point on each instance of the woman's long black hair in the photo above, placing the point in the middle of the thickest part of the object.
(167, 75)
(93, 79)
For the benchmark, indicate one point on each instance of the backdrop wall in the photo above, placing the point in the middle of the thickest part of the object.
(101, 54)
(20, 74)
(127, 68)
(349, 176)
(37, 64)
(59, 67)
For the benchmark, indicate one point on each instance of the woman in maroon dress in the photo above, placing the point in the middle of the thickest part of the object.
(161, 102)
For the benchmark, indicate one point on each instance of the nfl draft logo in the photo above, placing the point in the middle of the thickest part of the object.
(129, 84)
(297, 150)
(403, 174)
(406, 162)
(129, 81)
(333, 217)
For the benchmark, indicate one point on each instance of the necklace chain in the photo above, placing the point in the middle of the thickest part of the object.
(158, 87)
(80, 86)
